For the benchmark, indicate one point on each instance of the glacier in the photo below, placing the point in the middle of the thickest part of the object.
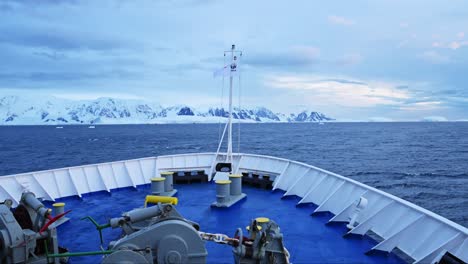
(50, 110)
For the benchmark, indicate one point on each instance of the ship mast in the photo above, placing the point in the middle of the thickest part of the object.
(233, 70)
(232, 67)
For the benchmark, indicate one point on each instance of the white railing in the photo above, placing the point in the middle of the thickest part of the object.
(419, 233)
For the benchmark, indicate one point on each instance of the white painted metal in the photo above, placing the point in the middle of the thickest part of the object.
(342, 198)
(297, 184)
(232, 71)
(460, 250)
(345, 214)
(221, 176)
(423, 235)
(435, 255)
(322, 190)
(290, 173)
(229, 148)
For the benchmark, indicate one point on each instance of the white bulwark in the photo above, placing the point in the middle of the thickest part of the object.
(421, 234)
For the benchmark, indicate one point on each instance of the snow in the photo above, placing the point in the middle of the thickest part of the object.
(380, 119)
(24, 110)
(435, 119)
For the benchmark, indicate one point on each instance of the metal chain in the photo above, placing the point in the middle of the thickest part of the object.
(218, 238)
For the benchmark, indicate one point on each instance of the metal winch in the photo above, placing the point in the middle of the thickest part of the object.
(264, 245)
(27, 232)
(157, 234)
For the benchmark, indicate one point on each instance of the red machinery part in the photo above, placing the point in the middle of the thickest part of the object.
(52, 220)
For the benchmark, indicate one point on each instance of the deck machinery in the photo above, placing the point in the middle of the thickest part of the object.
(155, 234)
(28, 233)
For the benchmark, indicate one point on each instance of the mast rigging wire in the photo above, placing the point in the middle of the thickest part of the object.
(240, 109)
(221, 104)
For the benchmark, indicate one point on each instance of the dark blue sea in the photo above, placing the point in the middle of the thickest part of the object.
(425, 163)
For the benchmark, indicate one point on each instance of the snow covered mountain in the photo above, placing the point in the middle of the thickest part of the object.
(23, 110)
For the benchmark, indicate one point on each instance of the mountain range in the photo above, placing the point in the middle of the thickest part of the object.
(23, 110)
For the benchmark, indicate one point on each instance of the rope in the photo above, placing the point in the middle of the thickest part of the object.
(221, 141)
(221, 103)
(240, 109)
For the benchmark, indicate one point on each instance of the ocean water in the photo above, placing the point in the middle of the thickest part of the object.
(425, 163)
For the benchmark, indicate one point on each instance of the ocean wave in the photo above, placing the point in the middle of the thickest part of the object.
(376, 154)
(401, 185)
(402, 175)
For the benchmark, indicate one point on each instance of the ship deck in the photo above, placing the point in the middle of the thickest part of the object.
(306, 237)
(419, 234)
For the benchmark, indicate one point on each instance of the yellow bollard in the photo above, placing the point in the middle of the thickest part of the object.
(59, 208)
(154, 199)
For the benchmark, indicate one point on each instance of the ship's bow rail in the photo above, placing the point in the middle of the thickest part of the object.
(421, 234)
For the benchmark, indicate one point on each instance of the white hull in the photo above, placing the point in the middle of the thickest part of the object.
(421, 234)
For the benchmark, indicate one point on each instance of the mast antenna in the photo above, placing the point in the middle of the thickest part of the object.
(232, 70)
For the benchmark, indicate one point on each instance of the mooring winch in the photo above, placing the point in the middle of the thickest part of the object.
(264, 245)
(27, 232)
(156, 234)
(159, 234)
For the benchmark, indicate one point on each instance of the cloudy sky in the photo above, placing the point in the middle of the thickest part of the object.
(395, 59)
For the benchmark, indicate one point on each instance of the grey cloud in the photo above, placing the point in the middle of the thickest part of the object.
(38, 76)
(50, 55)
(18, 5)
(183, 68)
(279, 60)
(59, 39)
(343, 81)
(40, 2)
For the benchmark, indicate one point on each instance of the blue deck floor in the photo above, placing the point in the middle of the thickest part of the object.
(306, 237)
